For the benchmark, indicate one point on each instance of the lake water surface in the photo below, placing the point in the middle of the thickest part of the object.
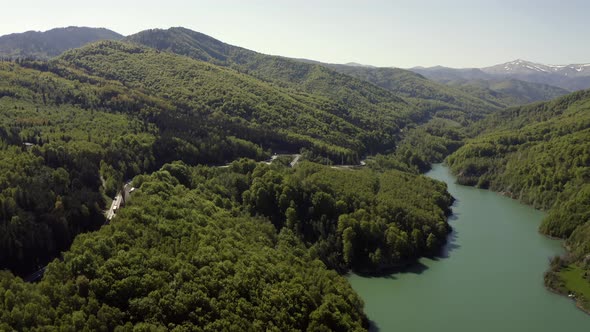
(490, 277)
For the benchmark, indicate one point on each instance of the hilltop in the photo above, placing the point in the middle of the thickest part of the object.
(51, 43)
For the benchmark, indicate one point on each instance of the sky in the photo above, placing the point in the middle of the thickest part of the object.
(453, 33)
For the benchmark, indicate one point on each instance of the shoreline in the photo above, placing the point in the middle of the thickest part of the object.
(505, 193)
(577, 302)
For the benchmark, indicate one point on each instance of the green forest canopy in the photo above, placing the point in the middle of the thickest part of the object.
(185, 252)
(71, 132)
(195, 248)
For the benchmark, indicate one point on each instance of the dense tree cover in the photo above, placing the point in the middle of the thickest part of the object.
(242, 105)
(186, 254)
(429, 100)
(111, 110)
(313, 76)
(357, 219)
(421, 146)
(429, 143)
(72, 130)
(241, 248)
(539, 154)
(438, 99)
(50, 168)
(66, 143)
(44, 45)
(78, 136)
(184, 258)
(508, 92)
(532, 153)
(449, 110)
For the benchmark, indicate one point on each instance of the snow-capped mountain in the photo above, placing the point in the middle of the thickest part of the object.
(570, 77)
(526, 67)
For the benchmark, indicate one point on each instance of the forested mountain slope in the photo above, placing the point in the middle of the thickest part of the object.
(540, 154)
(322, 79)
(431, 113)
(73, 129)
(509, 92)
(185, 250)
(107, 112)
(445, 101)
(249, 108)
(48, 44)
(86, 136)
(54, 154)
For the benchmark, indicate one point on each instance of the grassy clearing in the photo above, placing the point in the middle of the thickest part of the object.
(573, 277)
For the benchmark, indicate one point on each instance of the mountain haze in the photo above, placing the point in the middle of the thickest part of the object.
(508, 92)
(569, 77)
(421, 90)
(51, 43)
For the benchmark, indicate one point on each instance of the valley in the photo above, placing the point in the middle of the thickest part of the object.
(275, 193)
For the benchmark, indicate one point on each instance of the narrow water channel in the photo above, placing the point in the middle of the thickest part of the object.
(490, 277)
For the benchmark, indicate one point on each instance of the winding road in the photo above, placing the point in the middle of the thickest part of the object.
(109, 214)
(127, 189)
(295, 160)
(119, 199)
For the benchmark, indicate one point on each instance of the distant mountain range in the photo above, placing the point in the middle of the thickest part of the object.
(347, 81)
(51, 43)
(458, 91)
(513, 83)
(570, 77)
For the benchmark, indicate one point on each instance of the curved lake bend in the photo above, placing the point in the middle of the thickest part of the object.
(490, 279)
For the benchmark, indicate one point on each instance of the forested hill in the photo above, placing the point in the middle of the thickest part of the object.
(248, 108)
(540, 154)
(432, 98)
(549, 113)
(509, 92)
(504, 91)
(433, 113)
(279, 70)
(86, 121)
(237, 248)
(445, 100)
(250, 245)
(51, 43)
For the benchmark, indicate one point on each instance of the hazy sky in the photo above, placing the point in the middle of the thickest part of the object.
(456, 33)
